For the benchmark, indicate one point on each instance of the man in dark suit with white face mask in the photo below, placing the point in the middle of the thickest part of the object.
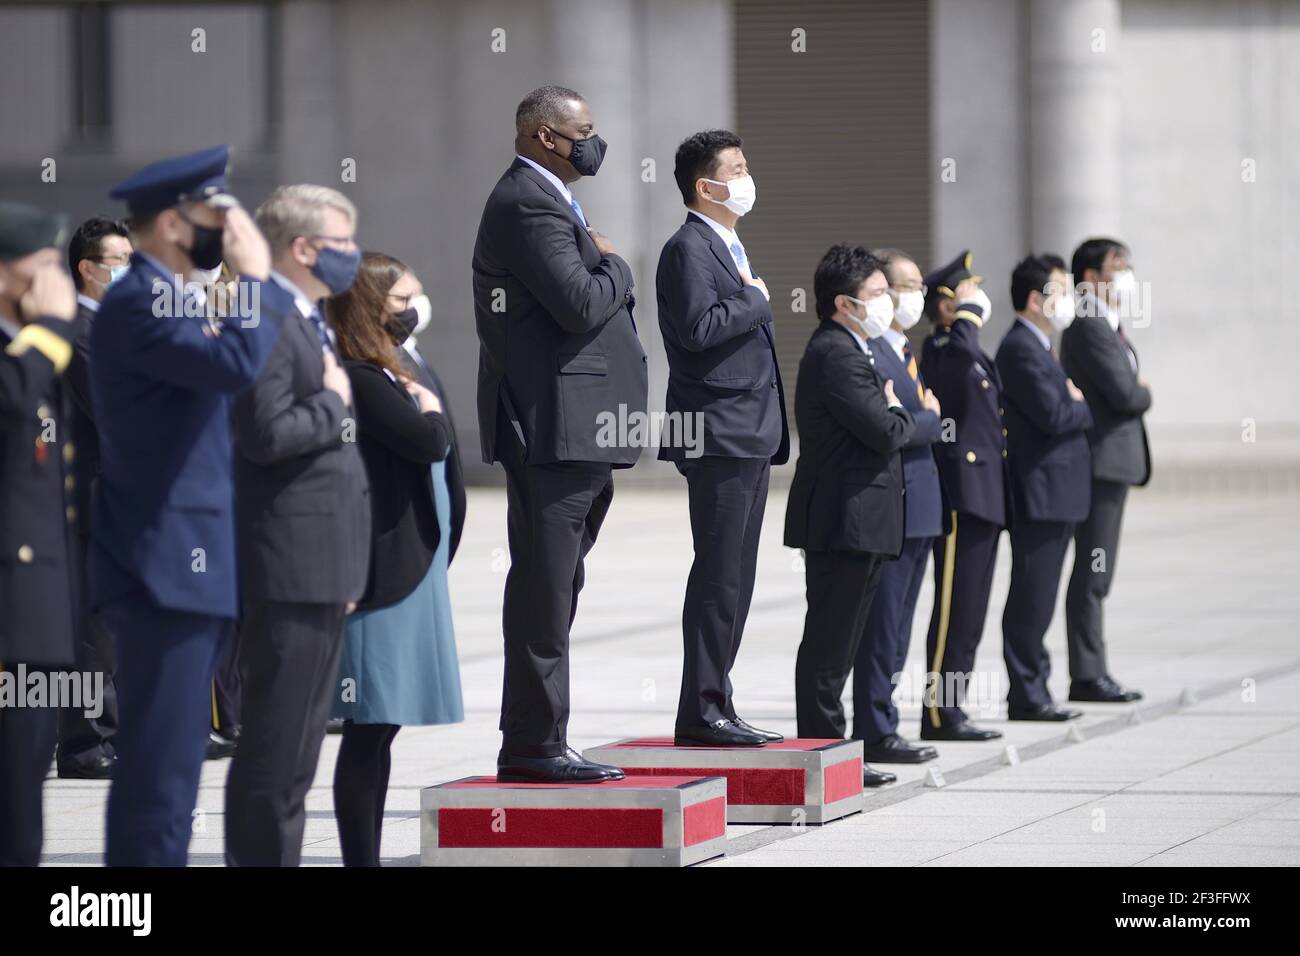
(722, 371)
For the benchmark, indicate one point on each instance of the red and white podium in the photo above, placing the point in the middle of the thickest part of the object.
(796, 781)
(657, 820)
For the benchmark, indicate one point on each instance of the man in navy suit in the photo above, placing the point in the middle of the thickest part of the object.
(1046, 419)
(883, 650)
(722, 370)
(972, 468)
(163, 555)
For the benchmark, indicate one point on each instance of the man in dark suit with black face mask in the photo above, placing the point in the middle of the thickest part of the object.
(559, 357)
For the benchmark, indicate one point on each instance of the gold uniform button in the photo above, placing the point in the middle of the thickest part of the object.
(1004, 453)
(69, 483)
(43, 412)
(970, 456)
(1004, 433)
(69, 452)
(25, 554)
(984, 383)
(1002, 411)
(71, 512)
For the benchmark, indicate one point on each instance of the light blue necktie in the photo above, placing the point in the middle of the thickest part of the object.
(742, 261)
(573, 201)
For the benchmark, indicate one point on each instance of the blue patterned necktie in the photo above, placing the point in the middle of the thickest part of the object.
(318, 323)
(742, 260)
(573, 201)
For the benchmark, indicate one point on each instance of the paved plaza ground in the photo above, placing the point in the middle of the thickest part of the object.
(1206, 771)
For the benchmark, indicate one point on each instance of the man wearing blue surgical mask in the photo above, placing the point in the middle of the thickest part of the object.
(99, 254)
(303, 520)
(723, 374)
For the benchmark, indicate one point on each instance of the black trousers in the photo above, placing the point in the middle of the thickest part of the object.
(840, 587)
(361, 789)
(1037, 556)
(289, 656)
(27, 739)
(963, 575)
(84, 739)
(1096, 546)
(727, 498)
(885, 637)
(554, 514)
(227, 686)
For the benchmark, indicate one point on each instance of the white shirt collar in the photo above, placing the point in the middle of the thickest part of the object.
(862, 343)
(1091, 305)
(896, 339)
(554, 179)
(300, 299)
(728, 235)
(9, 327)
(88, 302)
(1038, 333)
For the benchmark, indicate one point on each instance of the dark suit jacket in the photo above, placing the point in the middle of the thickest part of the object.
(303, 501)
(721, 352)
(1096, 359)
(399, 444)
(973, 467)
(1046, 442)
(557, 343)
(76, 382)
(847, 493)
(162, 389)
(37, 584)
(924, 499)
(427, 377)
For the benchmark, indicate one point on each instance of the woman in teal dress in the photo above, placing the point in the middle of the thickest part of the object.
(399, 665)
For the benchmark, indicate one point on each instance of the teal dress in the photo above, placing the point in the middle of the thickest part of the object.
(401, 659)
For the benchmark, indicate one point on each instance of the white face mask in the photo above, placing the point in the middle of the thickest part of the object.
(910, 306)
(741, 194)
(206, 276)
(1060, 311)
(423, 313)
(114, 273)
(879, 313)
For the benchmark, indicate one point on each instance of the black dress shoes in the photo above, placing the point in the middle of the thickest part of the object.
(568, 767)
(720, 733)
(1047, 712)
(872, 777)
(1103, 690)
(95, 766)
(221, 746)
(963, 731)
(771, 736)
(894, 749)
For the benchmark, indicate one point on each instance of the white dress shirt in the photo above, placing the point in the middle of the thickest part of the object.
(1043, 340)
(896, 340)
(87, 301)
(554, 179)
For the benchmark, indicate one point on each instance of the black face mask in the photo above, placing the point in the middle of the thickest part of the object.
(586, 154)
(205, 250)
(401, 325)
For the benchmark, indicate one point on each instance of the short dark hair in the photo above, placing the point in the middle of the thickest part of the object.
(887, 257)
(697, 157)
(1031, 274)
(1092, 253)
(544, 106)
(88, 242)
(841, 272)
(1055, 261)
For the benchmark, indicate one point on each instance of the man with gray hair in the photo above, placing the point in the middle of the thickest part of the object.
(303, 521)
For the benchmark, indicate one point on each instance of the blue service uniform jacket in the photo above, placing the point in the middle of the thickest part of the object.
(923, 500)
(972, 467)
(721, 353)
(162, 388)
(1047, 444)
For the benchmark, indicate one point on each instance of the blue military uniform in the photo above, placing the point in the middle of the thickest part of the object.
(973, 471)
(162, 564)
(37, 519)
(883, 651)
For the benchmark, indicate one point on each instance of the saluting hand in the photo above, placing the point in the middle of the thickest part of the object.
(243, 246)
(1073, 389)
(51, 295)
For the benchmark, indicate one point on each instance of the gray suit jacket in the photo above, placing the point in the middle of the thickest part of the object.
(302, 497)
